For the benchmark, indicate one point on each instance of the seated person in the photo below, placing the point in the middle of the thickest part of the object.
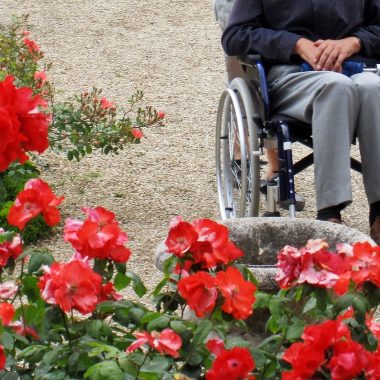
(324, 33)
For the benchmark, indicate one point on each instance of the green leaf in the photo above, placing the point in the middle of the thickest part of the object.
(10, 376)
(7, 340)
(158, 323)
(97, 349)
(149, 376)
(121, 281)
(138, 286)
(169, 265)
(32, 354)
(6, 236)
(358, 302)
(158, 364)
(195, 358)
(322, 298)
(262, 300)
(276, 307)
(310, 305)
(121, 267)
(179, 327)
(237, 341)
(372, 293)
(160, 286)
(107, 370)
(150, 317)
(30, 288)
(98, 329)
(37, 260)
(296, 328)
(259, 358)
(201, 332)
(3, 192)
(273, 340)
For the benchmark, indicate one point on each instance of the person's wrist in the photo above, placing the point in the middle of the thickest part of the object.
(357, 44)
(360, 42)
(298, 47)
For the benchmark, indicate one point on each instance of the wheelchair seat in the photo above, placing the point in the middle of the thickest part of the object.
(244, 127)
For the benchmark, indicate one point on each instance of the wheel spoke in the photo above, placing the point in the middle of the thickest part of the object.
(237, 168)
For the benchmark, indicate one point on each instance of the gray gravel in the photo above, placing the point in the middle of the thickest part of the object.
(169, 49)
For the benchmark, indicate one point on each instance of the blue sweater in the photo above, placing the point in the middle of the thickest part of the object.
(271, 28)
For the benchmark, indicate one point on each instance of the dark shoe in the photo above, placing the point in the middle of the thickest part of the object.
(335, 220)
(375, 231)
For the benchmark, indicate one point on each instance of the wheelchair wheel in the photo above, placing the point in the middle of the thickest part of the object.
(237, 153)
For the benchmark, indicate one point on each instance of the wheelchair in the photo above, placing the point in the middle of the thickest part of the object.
(245, 126)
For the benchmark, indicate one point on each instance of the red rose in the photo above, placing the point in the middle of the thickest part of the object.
(234, 364)
(166, 342)
(36, 198)
(7, 313)
(9, 249)
(199, 292)
(181, 237)
(31, 45)
(332, 337)
(365, 262)
(23, 127)
(137, 133)
(348, 361)
(204, 241)
(215, 346)
(108, 292)
(239, 294)
(3, 358)
(313, 265)
(99, 236)
(73, 285)
(105, 104)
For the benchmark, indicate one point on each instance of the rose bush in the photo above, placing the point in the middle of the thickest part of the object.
(68, 320)
(78, 126)
(32, 119)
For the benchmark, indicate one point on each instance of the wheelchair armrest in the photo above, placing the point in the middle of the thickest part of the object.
(255, 73)
(249, 59)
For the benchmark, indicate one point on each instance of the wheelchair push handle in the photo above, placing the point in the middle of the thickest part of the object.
(349, 68)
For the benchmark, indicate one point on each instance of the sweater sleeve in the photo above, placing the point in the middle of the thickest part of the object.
(369, 33)
(246, 33)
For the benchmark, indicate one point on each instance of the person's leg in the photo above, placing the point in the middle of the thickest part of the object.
(368, 132)
(330, 102)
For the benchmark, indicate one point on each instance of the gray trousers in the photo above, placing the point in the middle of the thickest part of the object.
(336, 106)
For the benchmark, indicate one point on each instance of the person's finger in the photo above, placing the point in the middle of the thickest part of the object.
(319, 52)
(318, 43)
(338, 63)
(329, 64)
(321, 64)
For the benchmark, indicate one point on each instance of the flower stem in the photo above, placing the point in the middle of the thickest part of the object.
(67, 329)
(139, 369)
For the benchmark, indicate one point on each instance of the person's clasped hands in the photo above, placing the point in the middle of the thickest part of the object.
(327, 55)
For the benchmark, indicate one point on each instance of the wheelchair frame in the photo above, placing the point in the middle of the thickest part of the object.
(244, 127)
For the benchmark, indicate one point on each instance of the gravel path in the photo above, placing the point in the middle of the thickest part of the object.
(169, 49)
